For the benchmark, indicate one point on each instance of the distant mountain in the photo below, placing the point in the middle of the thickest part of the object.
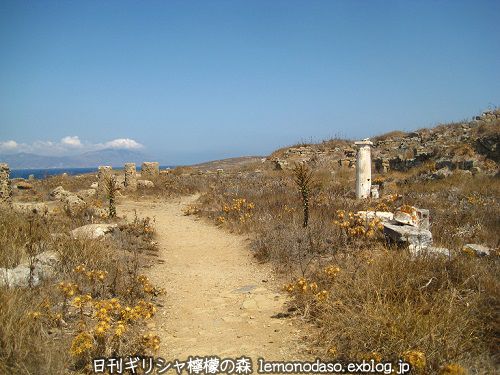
(113, 157)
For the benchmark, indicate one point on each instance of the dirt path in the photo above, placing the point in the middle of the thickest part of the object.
(219, 300)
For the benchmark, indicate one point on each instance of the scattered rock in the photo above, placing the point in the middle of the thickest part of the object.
(441, 173)
(73, 204)
(430, 250)
(58, 194)
(93, 231)
(23, 185)
(86, 194)
(145, 183)
(476, 250)
(98, 211)
(19, 276)
(30, 208)
(382, 215)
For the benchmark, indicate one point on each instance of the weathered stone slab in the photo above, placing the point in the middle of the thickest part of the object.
(407, 234)
(476, 249)
(92, 231)
(382, 215)
(429, 251)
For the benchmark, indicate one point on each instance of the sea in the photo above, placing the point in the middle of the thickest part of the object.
(44, 173)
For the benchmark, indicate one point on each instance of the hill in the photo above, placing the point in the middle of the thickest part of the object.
(470, 145)
(112, 157)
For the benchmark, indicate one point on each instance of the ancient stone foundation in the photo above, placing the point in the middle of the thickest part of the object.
(150, 170)
(5, 189)
(363, 169)
(130, 176)
(103, 174)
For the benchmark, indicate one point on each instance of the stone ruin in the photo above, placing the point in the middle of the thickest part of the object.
(130, 176)
(150, 170)
(363, 169)
(103, 174)
(5, 189)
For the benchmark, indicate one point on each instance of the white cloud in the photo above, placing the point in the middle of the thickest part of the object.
(71, 141)
(67, 145)
(124, 143)
(8, 145)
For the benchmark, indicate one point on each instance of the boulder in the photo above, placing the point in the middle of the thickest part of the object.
(58, 194)
(94, 185)
(145, 183)
(92, 231)
(99, 212)
(441, 173)
(476, 250)
(19, 276)
(73, 204)
(419, 238)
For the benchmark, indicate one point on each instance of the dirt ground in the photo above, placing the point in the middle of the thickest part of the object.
(219, 300)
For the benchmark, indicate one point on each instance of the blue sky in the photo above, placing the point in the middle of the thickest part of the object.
(186, 81)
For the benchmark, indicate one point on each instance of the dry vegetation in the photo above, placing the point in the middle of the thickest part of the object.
(96, 303)
(370, 300)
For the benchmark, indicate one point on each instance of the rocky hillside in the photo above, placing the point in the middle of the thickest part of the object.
(471, 145)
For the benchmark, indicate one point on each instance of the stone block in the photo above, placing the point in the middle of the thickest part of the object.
(150, 170)
(408, 235)
(5, 188)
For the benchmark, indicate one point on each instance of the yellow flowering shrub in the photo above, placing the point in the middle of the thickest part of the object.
(239, 210)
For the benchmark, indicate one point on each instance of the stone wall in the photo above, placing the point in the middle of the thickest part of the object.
(150, 170)
(5, 189)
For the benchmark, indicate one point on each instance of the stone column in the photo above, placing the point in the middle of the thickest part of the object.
(5, 189)
(150, 170)
(104, 172)
(130, 176)
(363, 169)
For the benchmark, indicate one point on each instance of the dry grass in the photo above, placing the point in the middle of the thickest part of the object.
(381, 303)
(96, 303)
(367, 300)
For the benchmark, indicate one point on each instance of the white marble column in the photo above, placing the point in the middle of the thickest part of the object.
(363, 169)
